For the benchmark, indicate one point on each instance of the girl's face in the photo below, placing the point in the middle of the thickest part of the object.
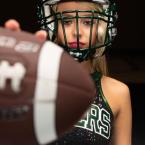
(70, 25)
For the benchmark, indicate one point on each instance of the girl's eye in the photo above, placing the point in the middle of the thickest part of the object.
(88, 22)
(67, 22)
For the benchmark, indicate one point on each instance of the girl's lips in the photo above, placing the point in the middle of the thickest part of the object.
(75, 45)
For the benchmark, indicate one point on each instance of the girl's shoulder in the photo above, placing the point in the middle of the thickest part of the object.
(116, 92)
(115, 86)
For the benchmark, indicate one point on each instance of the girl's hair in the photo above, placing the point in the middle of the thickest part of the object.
(98, 62)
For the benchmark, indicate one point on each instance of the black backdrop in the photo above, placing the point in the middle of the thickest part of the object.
(129, 42)
(131, 34)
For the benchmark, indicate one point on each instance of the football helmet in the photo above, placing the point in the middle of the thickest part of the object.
(48, 20)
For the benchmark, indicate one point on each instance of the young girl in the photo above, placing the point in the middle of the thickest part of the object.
(84, 28)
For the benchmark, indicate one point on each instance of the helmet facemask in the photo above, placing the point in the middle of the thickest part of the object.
(49, 19)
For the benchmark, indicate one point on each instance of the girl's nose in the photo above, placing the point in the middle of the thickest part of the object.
(77, 29)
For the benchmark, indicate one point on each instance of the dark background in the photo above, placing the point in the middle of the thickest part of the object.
(126, 58)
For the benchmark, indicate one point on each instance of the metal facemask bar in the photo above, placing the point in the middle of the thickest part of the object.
(78, 53)
(85, 53)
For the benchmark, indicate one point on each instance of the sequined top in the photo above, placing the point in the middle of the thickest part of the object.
(95, 128)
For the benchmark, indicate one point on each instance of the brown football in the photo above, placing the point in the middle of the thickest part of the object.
(43, 91)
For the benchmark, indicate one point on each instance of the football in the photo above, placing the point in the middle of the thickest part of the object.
(43, 91)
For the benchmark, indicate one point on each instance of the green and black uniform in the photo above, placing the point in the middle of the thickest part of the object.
(96, 126)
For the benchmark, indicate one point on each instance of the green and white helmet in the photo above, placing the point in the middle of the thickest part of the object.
(48, 20)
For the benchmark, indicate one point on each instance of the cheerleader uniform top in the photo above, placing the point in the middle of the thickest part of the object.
(95, 128)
